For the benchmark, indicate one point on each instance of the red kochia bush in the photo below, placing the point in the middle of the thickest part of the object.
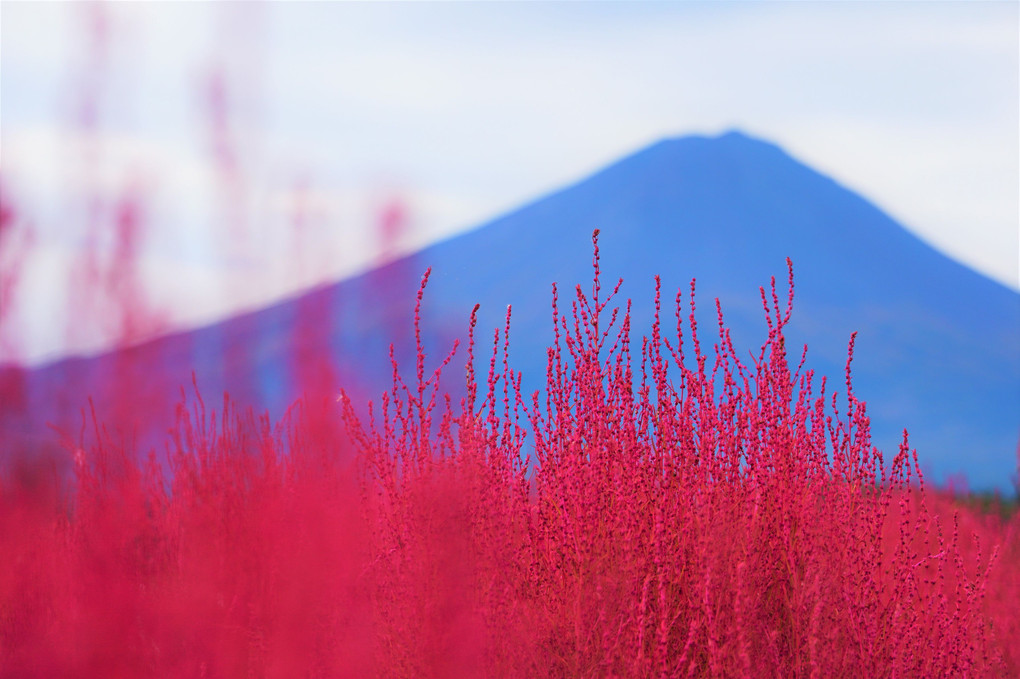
(667, 512)
(695, 516)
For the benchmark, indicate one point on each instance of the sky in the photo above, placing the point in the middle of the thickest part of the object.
(436, 117)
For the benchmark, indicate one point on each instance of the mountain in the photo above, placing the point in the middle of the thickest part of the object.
(937, 349)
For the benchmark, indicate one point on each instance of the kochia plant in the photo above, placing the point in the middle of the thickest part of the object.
(659, 510)
(692, 515)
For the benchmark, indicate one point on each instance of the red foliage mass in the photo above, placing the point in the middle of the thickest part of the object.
(661, 511)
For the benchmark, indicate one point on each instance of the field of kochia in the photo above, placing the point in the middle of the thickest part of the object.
(662, 508)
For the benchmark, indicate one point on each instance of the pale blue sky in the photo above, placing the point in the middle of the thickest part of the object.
(464, 110)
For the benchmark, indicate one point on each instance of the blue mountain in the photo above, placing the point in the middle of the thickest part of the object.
(937, 349)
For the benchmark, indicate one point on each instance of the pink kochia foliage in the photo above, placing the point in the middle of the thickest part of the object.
(664, 512)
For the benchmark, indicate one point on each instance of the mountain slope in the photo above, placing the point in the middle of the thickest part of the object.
(937, 344)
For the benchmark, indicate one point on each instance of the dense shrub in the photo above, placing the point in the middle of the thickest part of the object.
(660, 509)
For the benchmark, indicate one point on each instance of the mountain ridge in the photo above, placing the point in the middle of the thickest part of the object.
(936, 339)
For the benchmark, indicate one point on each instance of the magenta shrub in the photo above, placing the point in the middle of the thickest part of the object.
(661, 509)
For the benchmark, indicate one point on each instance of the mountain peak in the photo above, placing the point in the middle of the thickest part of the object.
(730, 146)
(730, 136)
